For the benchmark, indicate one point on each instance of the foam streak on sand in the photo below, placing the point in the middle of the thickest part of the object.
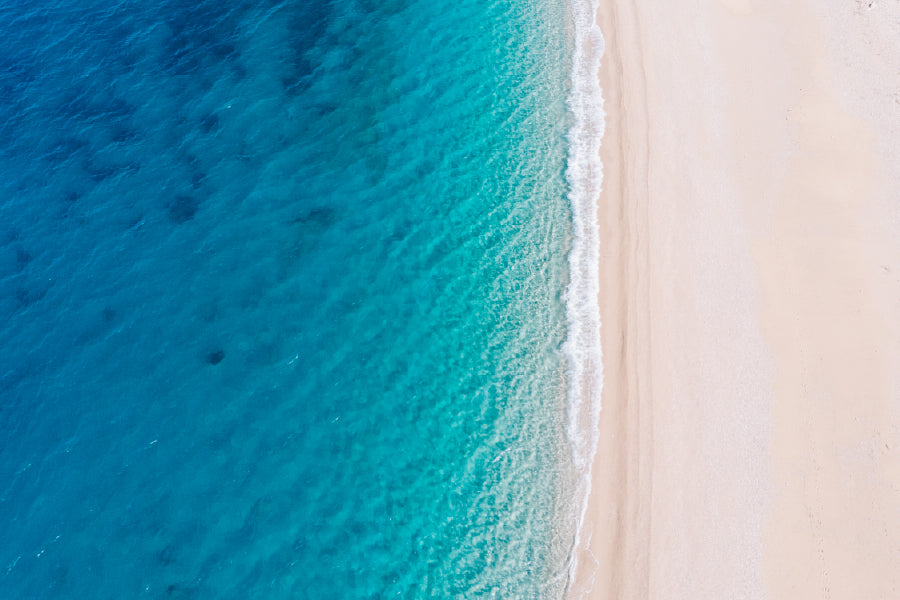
(585, 179)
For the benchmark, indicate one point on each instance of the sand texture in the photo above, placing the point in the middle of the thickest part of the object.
(750, 298)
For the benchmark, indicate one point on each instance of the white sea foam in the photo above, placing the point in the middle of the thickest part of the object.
(585, 179)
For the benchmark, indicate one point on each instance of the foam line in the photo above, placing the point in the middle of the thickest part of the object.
(584, 175)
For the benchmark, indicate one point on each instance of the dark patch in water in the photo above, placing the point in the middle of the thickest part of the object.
(209, 123)
(307, 30)
(28, 296)
(239, 70)
(135, 222)
(22, 259)
(292, 85)
(199, 36)
(116, 108)
(197, 179)
(265, 512)
(323, 109)
(175, 590)
(191, 160)
(166, 556)
(17, 71)
(103, 172)
(21, 370)
(183, 208)
(64, 149)
(11, 235)
(97, 327)
(222, 50)
(320, 215)
(401, 231)
(81, 105)
(215, 357)
(125, 134)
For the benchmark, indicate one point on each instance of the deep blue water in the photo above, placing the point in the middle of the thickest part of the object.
(281, 299)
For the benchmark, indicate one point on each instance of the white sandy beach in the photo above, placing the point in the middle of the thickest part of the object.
(750, 299)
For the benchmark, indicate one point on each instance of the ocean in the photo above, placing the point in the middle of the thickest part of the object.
(285, 295)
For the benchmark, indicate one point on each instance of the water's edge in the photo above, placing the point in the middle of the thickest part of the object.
(584, 175)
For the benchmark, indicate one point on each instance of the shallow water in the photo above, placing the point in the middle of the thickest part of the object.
(281, 288)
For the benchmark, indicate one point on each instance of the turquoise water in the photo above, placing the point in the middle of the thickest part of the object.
(282, 297)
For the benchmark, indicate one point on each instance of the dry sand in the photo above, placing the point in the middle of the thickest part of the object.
(750, 297)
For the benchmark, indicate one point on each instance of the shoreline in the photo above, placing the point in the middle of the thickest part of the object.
(749, 291)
